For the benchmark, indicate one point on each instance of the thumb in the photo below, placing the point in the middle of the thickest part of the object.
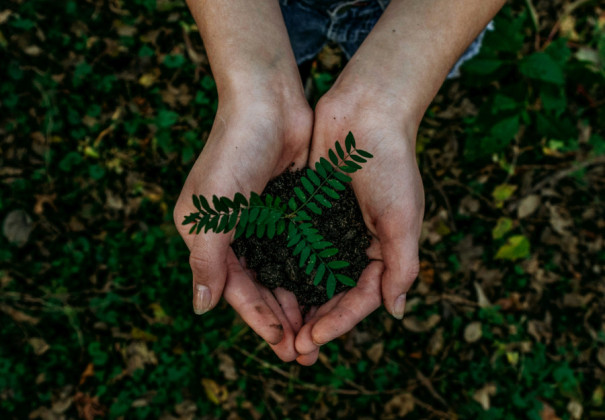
(208, 261)
(401, 269)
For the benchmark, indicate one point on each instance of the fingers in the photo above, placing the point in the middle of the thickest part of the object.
(308, 359)
(285, 348)
(289, 306)
(246, 298)
(401, 269)
(208, 266)
(355, 305)
(304, 339)
(340, 314)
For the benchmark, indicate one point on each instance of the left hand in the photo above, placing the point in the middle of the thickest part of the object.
(390, 194)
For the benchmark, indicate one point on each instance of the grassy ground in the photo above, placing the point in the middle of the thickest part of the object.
(103, 108)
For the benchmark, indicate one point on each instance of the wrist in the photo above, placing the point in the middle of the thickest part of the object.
(366, 110)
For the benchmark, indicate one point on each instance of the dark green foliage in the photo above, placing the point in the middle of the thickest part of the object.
(273, 216)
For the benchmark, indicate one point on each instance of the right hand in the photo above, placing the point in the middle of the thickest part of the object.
(252, 141)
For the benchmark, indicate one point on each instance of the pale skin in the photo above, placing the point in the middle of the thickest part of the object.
(264, 126)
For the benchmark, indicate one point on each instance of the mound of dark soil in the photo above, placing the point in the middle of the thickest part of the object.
(273, 262)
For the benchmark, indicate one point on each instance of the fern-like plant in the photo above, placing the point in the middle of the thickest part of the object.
(270, 216)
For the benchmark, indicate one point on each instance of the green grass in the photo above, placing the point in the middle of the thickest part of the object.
(102, 112)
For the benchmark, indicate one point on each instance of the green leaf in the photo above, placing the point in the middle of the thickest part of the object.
(226, 202)
(313, 207)
(353, 165)
(240, 200)
(357, 158)
(338, 264)
(303, 256)
(232, 221)
(205, 205)
(321, 269)
(346, 280)
(328, 252)
(503, 226)
(321, 244)
(330, 192)
(243, 218)
(260, 230)
(331, 285)
(364, 153)
(166, 118)
(299, 247)
(239, 230)
(255, 199)
(326, 165)
(349, 142)
(336, 184)
(292, 204)
(218, 205)
(482, 66)
(212, 223)
(502, 193)
(313, 177)
(307, 184)
(199, 228)
(339, 150)
(541, 66)
(311, 264)
(281, 226)
(196, 202)
(270, 230)
(320, 170)
(342, 177)
(302, 216)
(516, 247)
(262, 216)
(333, 157)
(224, 219)
(322, 200)
(192, 228)
(347, 169)
(506, 129)
(250, 229)
(253, 214)
(293, 239)
(300, 194)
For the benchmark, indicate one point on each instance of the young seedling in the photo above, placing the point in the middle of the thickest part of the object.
(270, 216)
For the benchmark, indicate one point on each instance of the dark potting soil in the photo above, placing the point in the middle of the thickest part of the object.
(273, 262)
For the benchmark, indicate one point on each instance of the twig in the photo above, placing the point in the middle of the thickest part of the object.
(429, 408)
(312, 387)
(566, 12)
(557, 176)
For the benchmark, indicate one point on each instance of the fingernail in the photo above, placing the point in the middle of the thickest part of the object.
(201, 301)
(399, 306)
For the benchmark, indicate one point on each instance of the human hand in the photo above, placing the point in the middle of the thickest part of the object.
(391, 197)
(252, 140)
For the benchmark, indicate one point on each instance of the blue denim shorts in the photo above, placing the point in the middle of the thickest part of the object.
(313, 23)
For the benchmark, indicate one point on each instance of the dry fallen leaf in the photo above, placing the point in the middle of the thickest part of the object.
(473, 332)
(39, 345)
(375, 352)
(399, 406)
(528, 205)
(414, 324)
(548, 413)
(17, 227)
(482, 396)
(575, 409)
(227, 366)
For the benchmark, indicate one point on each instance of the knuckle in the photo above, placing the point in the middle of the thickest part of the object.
(199, 263)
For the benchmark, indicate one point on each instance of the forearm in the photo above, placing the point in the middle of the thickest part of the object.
(410, 51)
(247, 46)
